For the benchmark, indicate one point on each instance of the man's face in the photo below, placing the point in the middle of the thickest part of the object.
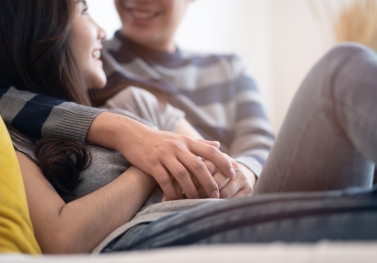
(152, 23)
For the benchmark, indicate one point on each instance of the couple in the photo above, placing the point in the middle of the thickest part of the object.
(90, 198)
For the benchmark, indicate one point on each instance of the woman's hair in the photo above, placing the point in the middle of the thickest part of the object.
(35, 50)
(35, 55)
(61, 161)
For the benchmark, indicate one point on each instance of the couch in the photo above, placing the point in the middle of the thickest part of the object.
(18, 244)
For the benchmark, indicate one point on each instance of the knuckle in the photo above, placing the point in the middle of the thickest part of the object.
(197, 164)
(249, 189)
(152, 160)
(236, 166)
(164, 180)
(162, 151)
(191, 193)
(224, 193)
(210, 166)
(212, 150)
(243, 178)
(180, 173)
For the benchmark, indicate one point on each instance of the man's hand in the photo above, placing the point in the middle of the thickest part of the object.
(158, 153)
(241, 185)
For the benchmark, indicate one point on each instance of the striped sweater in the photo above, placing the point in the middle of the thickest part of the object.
(217, 93)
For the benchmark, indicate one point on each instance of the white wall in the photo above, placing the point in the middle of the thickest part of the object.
(279, 39)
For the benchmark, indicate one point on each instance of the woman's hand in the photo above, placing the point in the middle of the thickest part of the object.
(241, 185)
(159, 153)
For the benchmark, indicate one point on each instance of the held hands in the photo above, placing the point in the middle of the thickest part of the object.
(162, 154)
(241, 185)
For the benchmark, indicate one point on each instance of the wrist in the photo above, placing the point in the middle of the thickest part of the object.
(249, 173)
(114, 131)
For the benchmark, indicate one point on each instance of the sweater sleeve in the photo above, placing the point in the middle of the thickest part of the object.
(37, 115)
(253, 133)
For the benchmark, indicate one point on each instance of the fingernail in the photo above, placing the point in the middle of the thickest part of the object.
(232, 173)
(164, 199)
(215, 195)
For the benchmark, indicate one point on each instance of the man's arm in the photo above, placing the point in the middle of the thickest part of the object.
(155, 152)
(253, 133)
(39, 116)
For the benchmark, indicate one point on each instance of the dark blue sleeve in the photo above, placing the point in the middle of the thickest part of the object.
(37, 115)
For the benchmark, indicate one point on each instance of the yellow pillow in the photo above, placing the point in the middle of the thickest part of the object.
(16, 230)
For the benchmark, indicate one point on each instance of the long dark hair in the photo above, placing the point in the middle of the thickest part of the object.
(35, 51)
(35, 55)
(61, 161)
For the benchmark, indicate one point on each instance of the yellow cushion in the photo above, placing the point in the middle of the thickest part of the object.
(16, 230)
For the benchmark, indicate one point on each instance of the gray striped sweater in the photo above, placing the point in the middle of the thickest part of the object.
(216, 92)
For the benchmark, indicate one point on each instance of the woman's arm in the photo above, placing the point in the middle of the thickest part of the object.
(159, 153)
(156, 152)
(77, 227)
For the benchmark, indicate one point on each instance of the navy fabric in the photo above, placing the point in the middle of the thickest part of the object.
(34, 114)
(3, 89)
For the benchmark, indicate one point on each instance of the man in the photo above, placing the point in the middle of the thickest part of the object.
(216, 92)
(223, 105)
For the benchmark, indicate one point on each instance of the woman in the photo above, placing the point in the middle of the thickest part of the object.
(85, 222)
(85, 45)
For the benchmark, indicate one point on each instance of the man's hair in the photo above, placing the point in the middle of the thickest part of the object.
(35, 50)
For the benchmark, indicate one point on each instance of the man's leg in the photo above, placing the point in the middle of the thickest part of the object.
(337, 215)
(329, 137)
(329, 130)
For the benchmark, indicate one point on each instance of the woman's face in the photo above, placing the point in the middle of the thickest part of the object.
(85, 40)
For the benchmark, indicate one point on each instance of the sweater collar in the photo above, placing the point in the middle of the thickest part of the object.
(150, 55)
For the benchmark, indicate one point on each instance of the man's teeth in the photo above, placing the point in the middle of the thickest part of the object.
(97, 54)
(143, 15)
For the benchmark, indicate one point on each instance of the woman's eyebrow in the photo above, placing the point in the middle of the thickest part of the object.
(81, 1)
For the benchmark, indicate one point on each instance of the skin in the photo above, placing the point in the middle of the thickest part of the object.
(86, 43)
(86, 37)
(70, 228)
(163, 154)
(157, 32)
(241, 185)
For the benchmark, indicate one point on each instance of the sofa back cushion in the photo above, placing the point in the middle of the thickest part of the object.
(16, 230)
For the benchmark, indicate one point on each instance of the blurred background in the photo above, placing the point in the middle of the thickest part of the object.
(279, 39)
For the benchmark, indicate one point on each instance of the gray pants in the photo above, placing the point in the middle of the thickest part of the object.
(328, 142)
(329, 137)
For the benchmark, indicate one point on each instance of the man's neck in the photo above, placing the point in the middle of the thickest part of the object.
(168, 47)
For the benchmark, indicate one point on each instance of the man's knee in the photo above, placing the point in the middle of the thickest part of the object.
(346, 52)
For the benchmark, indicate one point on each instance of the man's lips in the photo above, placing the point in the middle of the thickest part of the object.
(138, 14)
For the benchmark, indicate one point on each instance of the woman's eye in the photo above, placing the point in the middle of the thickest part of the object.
(85, 10)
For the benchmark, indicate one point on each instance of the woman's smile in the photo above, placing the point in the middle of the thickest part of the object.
(86, 40)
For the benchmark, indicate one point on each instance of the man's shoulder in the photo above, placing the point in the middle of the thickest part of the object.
(230, 62)
(209, 57)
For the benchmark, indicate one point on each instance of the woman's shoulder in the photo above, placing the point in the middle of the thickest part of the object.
(23, 144)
